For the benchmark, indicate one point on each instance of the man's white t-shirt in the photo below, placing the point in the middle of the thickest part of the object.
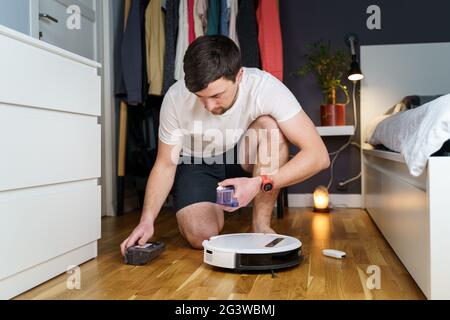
(184, 120)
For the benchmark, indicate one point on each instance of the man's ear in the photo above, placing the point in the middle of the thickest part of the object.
(239, 75)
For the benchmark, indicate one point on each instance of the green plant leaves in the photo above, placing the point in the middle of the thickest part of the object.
(328, 66)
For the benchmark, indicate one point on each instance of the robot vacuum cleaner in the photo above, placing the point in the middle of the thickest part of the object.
(252, 251)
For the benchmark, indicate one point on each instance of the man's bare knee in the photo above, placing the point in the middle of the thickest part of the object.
(265, 122)
(197, 232)
(199, 222)
(195, 240)
(263, 133)
(271, 126)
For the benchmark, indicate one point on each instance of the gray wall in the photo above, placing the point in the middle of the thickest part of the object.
(15, 14)
(305, 21)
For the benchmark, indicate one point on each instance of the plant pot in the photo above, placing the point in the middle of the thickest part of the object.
(332, 114)
(339, 113)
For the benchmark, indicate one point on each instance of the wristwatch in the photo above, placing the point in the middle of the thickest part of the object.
(267, 184)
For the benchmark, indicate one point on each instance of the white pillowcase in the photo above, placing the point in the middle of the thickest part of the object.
(416, 133)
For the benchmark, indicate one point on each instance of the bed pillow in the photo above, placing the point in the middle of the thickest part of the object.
(401, 106)
(416, 133)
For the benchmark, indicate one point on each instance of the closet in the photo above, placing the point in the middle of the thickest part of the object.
(156, 34)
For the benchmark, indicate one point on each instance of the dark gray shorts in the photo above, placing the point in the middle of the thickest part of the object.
(197, 182)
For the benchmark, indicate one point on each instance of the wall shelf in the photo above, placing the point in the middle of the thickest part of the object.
(336, 130)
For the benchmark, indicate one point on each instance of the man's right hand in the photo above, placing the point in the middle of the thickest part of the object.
(140, 234)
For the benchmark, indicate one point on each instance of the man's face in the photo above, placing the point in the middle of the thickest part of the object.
(219, 96)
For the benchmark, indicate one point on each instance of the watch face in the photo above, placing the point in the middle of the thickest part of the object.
(267, 187)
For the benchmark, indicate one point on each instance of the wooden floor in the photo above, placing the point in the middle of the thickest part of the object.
(179, 273)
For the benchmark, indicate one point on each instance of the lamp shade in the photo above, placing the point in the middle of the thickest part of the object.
(321, 199)
(355, 73)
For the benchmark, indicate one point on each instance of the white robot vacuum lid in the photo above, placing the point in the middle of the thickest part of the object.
(252, 243)
(252, 251)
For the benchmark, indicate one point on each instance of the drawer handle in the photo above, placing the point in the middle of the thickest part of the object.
(47, 16)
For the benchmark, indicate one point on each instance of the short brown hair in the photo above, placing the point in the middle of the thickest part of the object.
(210, 58)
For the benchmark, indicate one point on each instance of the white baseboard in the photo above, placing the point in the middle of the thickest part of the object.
(336, 200)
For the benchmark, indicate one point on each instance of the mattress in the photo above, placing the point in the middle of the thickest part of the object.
(416, 133)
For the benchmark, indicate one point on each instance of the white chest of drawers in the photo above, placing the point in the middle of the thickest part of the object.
(50, 161)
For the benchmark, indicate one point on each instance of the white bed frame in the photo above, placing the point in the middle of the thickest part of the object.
(412, 212)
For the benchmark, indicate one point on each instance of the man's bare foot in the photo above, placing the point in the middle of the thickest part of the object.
(261, 229)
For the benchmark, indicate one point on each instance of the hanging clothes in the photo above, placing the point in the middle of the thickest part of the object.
(133, 88)
(198, 24)
(202, 12)
(191, 22)
(155, 41)
(232, 33)
(224, 18)
(247, 30)
(213, 17)
(172, 17)
(269, 37)
(183, 39)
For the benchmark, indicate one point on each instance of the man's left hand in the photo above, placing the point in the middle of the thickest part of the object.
(245, 189)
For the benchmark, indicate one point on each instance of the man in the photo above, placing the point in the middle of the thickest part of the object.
(225, 125)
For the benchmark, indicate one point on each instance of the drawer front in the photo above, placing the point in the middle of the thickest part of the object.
(41, 147)
(41, 223)
(33, 77)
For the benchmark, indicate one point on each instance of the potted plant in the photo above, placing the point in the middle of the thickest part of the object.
(328, 66)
